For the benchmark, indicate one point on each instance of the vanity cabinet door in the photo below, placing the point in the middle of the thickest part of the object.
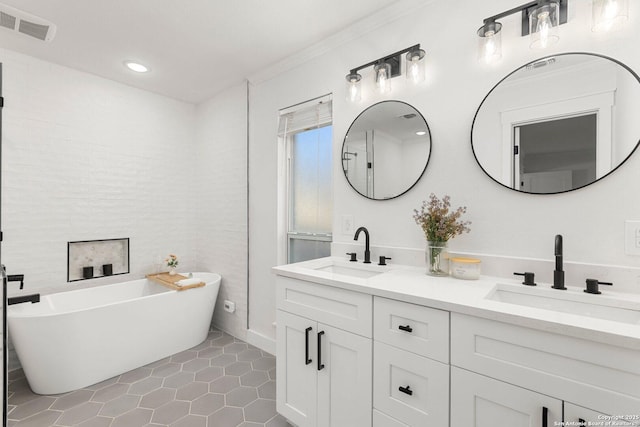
(324, 374)
(344, 378)
(296, 380)
(481, 401)
(574, 415)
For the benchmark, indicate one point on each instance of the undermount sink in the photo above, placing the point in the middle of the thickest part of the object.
(360, 271)
(594, 306)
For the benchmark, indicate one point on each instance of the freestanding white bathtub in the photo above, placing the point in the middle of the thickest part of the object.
(70, 340)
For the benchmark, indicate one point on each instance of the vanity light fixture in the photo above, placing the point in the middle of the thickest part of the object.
(387, 68)
(136, 66)
(490, 42)
(415, 65)
(354, 88)
(539, 18)
(383, 77)
(609, 14)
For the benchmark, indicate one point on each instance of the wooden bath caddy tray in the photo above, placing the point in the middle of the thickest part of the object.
(170, 281)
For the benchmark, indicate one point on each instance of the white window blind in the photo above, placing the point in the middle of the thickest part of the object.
(307, 115)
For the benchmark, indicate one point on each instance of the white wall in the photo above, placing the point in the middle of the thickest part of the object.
(221, 201)
(85, 158)
(504, 222)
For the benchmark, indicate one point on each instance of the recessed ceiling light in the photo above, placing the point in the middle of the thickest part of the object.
(136, 66)
(421, 132)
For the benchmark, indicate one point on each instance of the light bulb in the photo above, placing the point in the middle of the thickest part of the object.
(413, 69)
(383, 75)
(543, 27)
(543, 23)
(610, 9)
(609, 14)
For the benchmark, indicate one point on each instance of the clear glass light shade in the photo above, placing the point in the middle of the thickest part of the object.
(383, 77)
(415, 65)
(354, 88)
(490, 43)
(543, 25)
(609, 14)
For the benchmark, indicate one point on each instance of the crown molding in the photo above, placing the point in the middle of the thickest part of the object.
(362, 27)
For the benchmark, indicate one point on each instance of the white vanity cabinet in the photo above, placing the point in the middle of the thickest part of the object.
(357, 357)
(516, 361)
(323, 361)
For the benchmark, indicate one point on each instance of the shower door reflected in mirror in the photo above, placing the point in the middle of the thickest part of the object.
(386, 150)
(558, 124)
(557, 155)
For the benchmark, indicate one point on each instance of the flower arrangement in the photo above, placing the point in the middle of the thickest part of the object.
(172, 261)
(438, 221)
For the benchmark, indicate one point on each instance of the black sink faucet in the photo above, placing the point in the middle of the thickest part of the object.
(558, 273)
(367, 254)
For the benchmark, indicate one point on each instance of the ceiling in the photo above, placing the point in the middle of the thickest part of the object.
(195, 48)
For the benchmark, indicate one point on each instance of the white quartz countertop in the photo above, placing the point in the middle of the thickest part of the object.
(473, 297)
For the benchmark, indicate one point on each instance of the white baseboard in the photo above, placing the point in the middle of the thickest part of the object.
(261, 341)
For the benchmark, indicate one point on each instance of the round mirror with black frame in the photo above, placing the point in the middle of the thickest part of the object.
(386, 150)
(558, 123)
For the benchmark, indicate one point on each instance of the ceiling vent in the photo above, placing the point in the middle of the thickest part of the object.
(25, 23)
(408, 116)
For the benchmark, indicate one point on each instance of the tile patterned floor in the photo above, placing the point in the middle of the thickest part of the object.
(222, 382)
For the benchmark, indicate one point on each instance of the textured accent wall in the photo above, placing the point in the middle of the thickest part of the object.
(221, 185)
(86, 158)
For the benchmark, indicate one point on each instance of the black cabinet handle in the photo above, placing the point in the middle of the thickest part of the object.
(406, 390)
(407, 328)
(320, 364)
(306, 346)
(545, 416)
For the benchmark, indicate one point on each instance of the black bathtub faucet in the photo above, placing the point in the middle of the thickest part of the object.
(33, 298)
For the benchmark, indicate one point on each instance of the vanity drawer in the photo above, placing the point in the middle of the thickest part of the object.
(425, 399)
(599, 376)
(347, 310)
(418, 329)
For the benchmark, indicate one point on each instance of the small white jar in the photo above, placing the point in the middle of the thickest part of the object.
(465, 268)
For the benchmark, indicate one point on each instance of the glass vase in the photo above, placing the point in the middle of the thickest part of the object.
(437, 259)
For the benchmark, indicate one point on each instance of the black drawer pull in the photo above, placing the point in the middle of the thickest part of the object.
(406, 390)
(545, 416)
(407, 328)
(320, 364)
(307, 360)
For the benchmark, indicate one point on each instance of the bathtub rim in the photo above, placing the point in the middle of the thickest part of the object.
(14, 313)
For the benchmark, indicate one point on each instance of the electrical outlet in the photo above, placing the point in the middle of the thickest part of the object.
(347, 224)
(632, 237)
(229, 306)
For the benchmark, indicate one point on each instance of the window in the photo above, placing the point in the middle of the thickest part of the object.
(305, 132)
